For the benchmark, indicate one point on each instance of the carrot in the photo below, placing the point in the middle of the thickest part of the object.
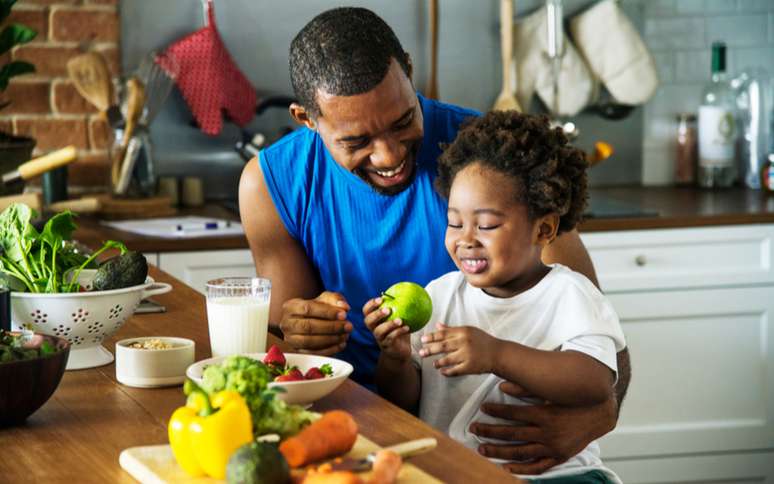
(386, 467)
(333, 434)
(332, 478)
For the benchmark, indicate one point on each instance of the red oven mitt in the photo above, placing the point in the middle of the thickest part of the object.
(210, 80)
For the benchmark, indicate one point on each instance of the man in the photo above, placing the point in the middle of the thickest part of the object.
(344, 207)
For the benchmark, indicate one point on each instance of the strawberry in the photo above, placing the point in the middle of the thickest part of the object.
(315, 373)
(275, 357)
(291, 374)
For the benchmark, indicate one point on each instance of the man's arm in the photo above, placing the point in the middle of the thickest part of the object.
(277, 255)
(624, 375)
(568, 250)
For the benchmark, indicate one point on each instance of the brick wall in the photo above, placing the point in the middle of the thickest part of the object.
(680, 34)
(45, 105)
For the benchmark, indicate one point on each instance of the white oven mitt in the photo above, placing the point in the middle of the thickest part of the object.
(576, 83)
(615, 52)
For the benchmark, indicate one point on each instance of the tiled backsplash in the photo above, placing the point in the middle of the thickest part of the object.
(679, 34)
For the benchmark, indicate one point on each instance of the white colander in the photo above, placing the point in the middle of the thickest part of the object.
(83, 318)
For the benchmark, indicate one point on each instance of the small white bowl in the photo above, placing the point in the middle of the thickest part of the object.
(296, 392)
(150, 368)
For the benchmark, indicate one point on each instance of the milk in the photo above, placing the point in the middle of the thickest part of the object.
(238, 324)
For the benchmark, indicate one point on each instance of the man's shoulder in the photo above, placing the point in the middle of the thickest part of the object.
(450, 110)
(446, 116)
(290, 146)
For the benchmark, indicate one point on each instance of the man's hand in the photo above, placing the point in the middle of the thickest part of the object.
(318, 325)
(467, 350)
(551, 433)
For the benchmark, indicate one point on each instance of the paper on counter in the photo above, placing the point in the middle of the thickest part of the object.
(168, 227)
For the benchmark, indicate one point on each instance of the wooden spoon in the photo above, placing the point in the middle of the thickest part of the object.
(507, 99)
(91, 77)
(432, 88)
(135, 100)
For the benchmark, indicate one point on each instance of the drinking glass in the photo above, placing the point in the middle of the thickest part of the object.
(238, 314)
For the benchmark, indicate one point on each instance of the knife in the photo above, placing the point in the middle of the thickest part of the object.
(406, 449)
(40, 165)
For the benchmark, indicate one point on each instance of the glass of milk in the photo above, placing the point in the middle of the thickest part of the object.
(238, 314)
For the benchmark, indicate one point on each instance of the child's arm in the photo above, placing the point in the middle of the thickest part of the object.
(562, 377)
(397, 378)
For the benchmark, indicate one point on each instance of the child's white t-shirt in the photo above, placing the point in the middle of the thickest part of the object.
(563, 311)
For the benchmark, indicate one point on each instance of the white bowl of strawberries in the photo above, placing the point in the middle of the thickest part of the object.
(305, 378)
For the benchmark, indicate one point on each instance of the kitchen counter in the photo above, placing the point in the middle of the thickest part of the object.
(92, 233)
(619, 208)
(79, 433)
(636, 208)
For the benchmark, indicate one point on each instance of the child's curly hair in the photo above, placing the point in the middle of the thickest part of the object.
(549, 174)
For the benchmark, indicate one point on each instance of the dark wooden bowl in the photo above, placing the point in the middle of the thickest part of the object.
(27, 384)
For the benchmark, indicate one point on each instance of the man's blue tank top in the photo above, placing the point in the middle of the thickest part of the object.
(360, 241)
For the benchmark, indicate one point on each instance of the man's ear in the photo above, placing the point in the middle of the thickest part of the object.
(410, 67)
(546, 228)
(301, 116)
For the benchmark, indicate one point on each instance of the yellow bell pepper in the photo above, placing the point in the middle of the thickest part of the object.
(205, 432)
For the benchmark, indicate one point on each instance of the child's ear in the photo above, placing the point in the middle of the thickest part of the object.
(546, 228)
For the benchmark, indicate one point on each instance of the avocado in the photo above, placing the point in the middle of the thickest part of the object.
(257, 463)
(126, 270)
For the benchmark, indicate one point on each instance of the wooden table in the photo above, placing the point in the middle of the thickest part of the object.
(77, 435)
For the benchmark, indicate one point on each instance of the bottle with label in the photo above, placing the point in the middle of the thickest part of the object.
(717, 126)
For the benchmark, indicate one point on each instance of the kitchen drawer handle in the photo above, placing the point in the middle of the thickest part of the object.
(640, 260)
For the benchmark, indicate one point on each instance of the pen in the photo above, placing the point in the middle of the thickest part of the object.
(214, 225)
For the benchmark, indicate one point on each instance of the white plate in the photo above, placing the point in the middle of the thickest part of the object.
(296, 392)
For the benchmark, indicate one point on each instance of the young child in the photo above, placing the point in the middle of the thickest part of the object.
(512, 184)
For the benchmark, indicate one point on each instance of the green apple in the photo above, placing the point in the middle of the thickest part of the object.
(409, 302)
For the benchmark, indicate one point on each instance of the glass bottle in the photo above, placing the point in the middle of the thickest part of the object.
(685, 152)
(717, 126)
(767, 174)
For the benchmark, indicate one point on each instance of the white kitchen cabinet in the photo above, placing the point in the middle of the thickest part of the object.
(750, 468)
(197, 267)
(696, 306)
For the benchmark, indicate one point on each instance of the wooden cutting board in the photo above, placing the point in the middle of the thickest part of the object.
(155, 464)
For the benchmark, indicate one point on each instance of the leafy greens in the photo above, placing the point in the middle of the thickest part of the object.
(46, 261)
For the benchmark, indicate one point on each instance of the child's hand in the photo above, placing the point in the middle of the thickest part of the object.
(468, 350)
(391, 336)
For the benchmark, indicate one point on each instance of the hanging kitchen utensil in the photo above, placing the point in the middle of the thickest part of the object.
(607, 108)
(209, 79)
(507, 98)
(91, 77)
(555, 47)
(432, 89)
(40, 165)
(617, 56)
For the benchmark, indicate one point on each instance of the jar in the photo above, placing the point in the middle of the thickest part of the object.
(686, 150)
(767, 174)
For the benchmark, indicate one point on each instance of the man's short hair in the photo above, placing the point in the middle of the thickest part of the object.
(344, 51)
